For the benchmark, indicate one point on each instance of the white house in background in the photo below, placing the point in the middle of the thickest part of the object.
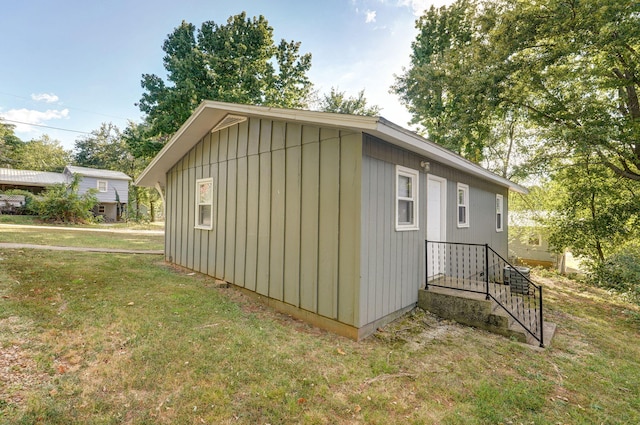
(112, 187)
(528, 242)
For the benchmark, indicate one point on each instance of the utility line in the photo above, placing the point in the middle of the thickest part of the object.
(44, 126)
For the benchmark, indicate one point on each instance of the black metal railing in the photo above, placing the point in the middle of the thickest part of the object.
(478, 268)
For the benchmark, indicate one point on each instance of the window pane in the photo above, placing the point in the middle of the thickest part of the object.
(405, 212)
(460, 197)
(498, 221)
(462, 214)
(404, 187)
(205, 193)
(205, 215)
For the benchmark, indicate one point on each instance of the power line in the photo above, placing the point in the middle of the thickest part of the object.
(44, 126)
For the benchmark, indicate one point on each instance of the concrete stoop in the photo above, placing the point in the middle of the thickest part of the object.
(472, 309)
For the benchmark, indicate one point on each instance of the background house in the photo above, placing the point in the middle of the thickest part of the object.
(112, 189)
(112, 186)
(528, 242)
(324, 215)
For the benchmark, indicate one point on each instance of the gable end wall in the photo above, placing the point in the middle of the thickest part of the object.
(286, 214)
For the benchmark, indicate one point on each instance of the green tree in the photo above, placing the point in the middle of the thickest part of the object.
(338, 102)
(233, 62)
(104, 148)
(440, 86)
(43, 154)
(8, 142)
(593, 210)
(568, 69)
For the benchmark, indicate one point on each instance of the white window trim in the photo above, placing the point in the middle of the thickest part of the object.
(464, 187)
(106, 185)
(415, 176)
(198, 204)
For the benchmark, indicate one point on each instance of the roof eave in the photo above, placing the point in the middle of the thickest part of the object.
(209, 113)
(411, 141)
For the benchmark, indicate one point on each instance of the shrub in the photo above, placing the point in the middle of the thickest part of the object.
(62, 203)
(621, 272)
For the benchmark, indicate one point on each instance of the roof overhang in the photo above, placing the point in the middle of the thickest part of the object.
(210, 114)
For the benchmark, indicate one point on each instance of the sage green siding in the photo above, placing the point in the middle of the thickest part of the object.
(286, 213)
(392, 262)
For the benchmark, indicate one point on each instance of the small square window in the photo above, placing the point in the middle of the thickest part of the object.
(204, 204)
(406, 198)
(103, 185)
(101, 209)
(463, 205)
(499, 213)
(534, 240)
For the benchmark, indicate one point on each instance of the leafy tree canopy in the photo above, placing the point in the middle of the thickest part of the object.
(338, 102)
(8, 141)
(570, 69)
(43, 154)
(104, 148)
(233, 62)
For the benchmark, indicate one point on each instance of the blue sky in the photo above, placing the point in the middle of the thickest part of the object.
(73, 64)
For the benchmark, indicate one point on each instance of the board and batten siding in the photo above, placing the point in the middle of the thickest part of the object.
(392, 262)
(286, 220)
(482, 197)
(482, 209)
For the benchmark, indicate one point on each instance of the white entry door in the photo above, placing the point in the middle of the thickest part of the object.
(436, 223)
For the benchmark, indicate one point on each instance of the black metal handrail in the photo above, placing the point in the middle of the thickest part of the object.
(480, 269)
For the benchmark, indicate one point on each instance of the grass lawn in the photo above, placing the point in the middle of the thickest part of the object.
(96, 338)
(83, 238)
(35, 221)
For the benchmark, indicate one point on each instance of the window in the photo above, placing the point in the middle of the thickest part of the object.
(463, 205)
(406, 198)
(499, 213)
(101, 209)
(204, 204)
(103, 185)
(534, 240)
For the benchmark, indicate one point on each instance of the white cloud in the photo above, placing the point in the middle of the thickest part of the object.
(24, 117)
(371, 16)
(46, 97)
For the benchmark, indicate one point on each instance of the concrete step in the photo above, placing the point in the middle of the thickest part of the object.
(474, 310)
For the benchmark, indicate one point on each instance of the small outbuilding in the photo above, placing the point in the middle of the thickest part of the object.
(324, 215)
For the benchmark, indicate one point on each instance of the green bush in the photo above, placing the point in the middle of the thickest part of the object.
(62, 204)
(621, 272)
